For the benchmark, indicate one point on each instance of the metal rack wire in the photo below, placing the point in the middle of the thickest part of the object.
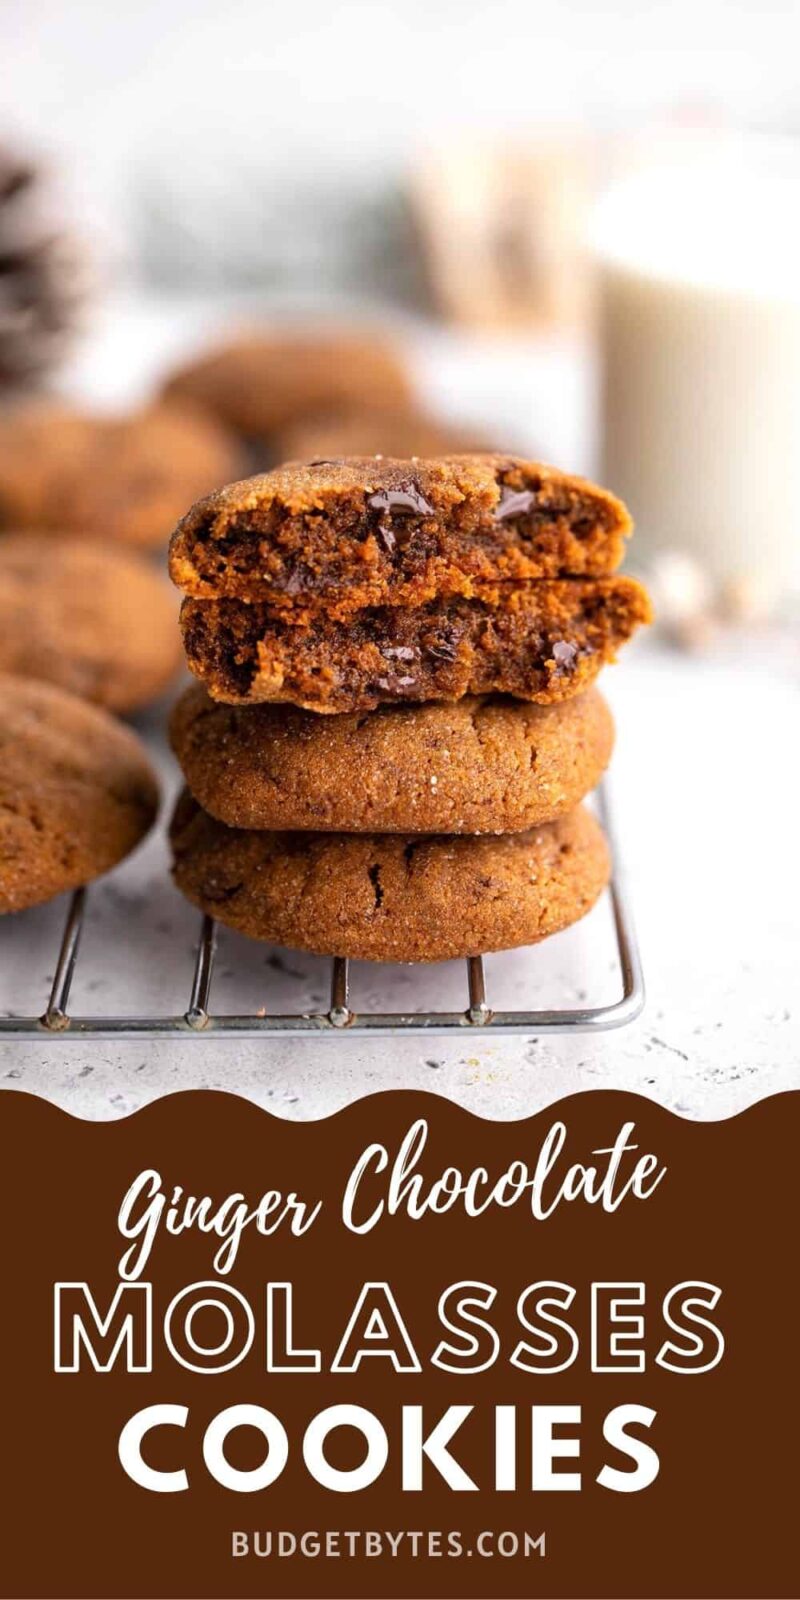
(199, 1020)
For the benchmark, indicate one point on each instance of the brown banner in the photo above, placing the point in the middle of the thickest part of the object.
(402, 1351)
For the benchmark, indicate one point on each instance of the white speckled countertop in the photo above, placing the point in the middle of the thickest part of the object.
(704, 784)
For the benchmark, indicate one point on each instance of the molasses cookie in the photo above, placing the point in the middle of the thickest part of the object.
(400, 434)
(261, 383)
(77, 792)
(543, 641)
(469, 766)
(94, 619)
(391, 897)
(118, 479)
(370, 532)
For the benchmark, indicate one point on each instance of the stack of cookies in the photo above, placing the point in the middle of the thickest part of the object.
(395, 723)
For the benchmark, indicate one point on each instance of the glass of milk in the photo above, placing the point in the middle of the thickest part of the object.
(699, 273)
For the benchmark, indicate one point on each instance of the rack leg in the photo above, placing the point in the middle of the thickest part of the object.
(339, 1012)
(197, 1014)
(56, 1015)
(478, 1009)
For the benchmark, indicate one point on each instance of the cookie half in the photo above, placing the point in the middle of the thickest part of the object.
(77, 792)
(543, 641)
(94, 619)
(352, 533)
(391, 897)
(469, 766)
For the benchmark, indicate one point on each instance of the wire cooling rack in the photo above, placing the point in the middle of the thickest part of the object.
(199, 1020)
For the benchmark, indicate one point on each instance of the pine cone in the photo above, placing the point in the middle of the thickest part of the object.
(43, 275)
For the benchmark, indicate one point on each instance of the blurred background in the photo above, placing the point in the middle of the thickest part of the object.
(437, 166)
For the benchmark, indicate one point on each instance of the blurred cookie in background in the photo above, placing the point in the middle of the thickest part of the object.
(77, 792)
(261, 384)
(404, 434)
(92, 619)
(122, 479)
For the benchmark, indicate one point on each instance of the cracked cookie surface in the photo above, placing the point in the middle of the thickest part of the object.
(469, 766)
(391, 897)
